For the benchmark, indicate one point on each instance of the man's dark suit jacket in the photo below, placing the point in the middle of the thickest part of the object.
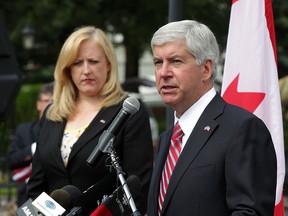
(229, 169)
(133, 146)
(19, 153)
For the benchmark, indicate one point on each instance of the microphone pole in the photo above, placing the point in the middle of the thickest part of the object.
(115, 163)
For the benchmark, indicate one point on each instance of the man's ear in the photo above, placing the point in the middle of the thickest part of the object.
(208, 69)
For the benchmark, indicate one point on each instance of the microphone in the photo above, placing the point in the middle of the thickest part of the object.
(55, 204)
(93, 196)
(66, 196)
(130, 106)
(45, 205)
(26, 209)
(117, 203)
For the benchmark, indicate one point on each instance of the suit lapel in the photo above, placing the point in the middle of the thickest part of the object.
(97, 126)
(164, 148)
(204, 128)
(56, 134)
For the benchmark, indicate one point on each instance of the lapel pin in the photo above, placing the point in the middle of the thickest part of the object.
(207, 128)
(102, 121)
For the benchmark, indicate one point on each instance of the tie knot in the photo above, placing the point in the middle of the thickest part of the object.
(177, 132)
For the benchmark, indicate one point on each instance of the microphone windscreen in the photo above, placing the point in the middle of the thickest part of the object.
(131, 105)
(61, 197)
(101, 210)
(66, 196)
(134, 185)
(73, 191)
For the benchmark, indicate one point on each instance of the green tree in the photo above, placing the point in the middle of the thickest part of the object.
(135, 20)
(54, 20)
(214, 13)
(280, 9)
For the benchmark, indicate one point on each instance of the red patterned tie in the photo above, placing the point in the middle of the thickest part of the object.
(172, 158)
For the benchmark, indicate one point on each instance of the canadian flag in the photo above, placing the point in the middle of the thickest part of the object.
(250, 78)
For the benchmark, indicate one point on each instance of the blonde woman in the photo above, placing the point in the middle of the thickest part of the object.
(86, 99)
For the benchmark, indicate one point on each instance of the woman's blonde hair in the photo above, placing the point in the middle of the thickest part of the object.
(65, 91)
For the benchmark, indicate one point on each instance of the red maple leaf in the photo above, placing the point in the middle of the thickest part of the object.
(247, 100)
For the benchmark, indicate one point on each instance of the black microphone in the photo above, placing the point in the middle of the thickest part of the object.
(93, 196)
(27, 209)
(47, 205)
(66, 196)
(117, 203)
(130, 106)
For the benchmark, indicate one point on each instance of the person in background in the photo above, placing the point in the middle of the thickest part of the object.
(23, 145)
(86, 99)
(223, 161)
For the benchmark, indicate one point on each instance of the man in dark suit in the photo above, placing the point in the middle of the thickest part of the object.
(22, 148)
(227, 163)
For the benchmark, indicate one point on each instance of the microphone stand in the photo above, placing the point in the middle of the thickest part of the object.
(115, 163)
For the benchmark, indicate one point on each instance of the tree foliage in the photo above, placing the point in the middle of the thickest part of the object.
(54, 20)
(281, 29)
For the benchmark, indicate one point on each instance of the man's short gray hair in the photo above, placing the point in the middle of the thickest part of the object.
(200, 40)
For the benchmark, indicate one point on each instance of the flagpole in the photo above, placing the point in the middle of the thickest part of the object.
(174, 14)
